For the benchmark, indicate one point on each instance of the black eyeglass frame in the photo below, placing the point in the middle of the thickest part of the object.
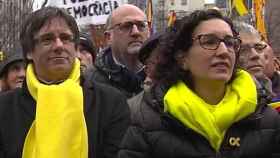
(130, 25)
(259, 47)
(238, 40)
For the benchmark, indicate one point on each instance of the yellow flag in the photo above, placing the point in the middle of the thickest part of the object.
(2, 56)
(149, 13)
(240, 7)
(259, 10)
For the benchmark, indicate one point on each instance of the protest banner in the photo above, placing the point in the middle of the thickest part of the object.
(88, 11)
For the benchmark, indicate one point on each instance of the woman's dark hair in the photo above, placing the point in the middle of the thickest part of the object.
(36, 20)
(179, 40)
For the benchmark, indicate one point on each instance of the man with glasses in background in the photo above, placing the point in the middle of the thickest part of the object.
(254, 58)
(251, 54)
(118, 65)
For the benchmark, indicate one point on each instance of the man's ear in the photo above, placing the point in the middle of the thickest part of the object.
(29, 56)
(78, 52)
(108, 36)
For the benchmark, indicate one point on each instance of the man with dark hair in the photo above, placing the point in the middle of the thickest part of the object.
(118, 65)
(59, 113)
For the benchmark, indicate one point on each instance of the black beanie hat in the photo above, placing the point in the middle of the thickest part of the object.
(7, 59)
(148, 46)
(87, 43)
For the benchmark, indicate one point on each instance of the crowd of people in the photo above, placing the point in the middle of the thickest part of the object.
(205, 87)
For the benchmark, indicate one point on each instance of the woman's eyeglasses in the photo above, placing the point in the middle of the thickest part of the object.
(212, 42)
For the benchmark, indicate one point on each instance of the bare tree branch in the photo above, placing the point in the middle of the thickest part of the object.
(12, 14)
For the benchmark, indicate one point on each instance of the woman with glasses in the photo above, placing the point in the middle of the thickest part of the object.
(202, 106)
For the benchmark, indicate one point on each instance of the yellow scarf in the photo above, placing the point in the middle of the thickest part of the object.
(59, 129)
(212, 121)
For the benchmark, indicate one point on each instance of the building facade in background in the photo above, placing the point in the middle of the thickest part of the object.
(164, 8)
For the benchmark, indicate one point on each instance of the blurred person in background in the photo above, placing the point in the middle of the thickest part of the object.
(256, 57)
(148, 56)
(272, 72)
(12, 70)
(87, 52)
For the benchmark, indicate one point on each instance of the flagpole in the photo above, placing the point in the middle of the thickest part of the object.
(149, 13)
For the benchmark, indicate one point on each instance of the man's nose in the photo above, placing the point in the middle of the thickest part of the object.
(134, 29)
(79, 54)
(58, 42)
(254, 54)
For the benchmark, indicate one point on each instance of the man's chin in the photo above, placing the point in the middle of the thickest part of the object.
(60, 70)
(133, 50)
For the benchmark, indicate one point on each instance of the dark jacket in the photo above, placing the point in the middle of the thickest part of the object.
(154, 133)
(105, 109)
(276, 84)
(108, 72)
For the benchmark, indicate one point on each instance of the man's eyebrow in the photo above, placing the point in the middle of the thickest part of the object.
(44, 35)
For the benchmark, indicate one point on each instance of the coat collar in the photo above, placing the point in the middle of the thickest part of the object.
(29, 104)
(154, 99)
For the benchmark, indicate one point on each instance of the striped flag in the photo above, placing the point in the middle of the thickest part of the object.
(171, 18)
(259, 13)
(240, 7)
(275, 105)
(2, 56)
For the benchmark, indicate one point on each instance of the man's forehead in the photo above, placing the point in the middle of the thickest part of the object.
(128, 14)
(249, 38)
(54, 25)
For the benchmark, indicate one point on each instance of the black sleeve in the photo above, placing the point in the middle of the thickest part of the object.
(271, 120)
(134, 144)
(116, 128)
(1, 148)
(276, 153)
